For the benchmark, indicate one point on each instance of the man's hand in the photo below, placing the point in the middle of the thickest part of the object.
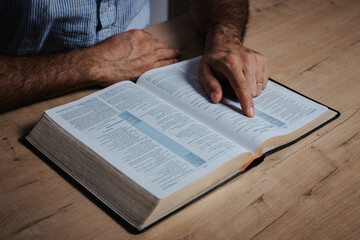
(127, 55)
(223, 25)
(245, 70)
(124, 56)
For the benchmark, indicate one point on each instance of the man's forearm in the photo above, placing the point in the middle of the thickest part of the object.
(214, 18)
(124, 56)
(28, 79)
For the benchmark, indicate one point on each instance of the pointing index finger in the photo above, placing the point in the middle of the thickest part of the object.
(242, 90)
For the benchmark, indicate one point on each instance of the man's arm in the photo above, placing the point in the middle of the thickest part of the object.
(124, 56)
(223, 25)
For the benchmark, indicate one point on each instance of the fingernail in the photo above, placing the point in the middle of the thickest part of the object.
(252, 112)
(213, 96)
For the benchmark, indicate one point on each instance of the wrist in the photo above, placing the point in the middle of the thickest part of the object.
(222, 36)
(90, 70)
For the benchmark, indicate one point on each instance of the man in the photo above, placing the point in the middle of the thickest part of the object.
(51, 47)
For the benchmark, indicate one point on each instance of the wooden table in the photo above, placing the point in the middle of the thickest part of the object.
(308, 190)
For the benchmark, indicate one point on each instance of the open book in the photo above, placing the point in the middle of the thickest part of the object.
(146, 149)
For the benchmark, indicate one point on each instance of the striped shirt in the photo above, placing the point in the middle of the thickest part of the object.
(34, 27)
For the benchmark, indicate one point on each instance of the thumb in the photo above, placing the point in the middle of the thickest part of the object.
(210, 83)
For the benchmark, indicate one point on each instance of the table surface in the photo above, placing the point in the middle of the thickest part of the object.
(308, 190)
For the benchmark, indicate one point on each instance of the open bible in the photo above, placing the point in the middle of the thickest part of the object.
(146, 149)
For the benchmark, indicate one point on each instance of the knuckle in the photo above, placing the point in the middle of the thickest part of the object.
(248, 57)
(158, 53)
(164, 54)
(259, 58)
(248, 69)
(231, 59)
(145, 44)
(241, 85)
(165, 44)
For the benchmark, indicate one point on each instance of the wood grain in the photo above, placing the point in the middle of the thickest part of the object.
(309, 190)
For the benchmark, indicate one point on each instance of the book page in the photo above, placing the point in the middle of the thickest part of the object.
(278, 111)
(156, 145)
